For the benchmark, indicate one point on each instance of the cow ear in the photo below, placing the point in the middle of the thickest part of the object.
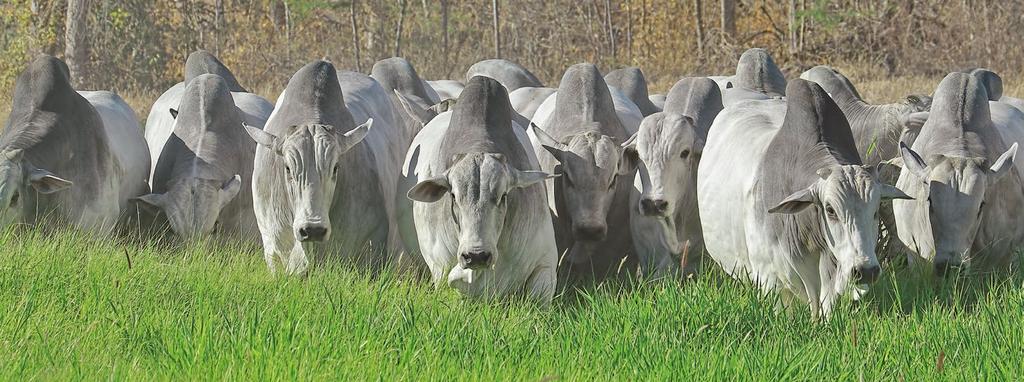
(151, 202)
(421, 113)
(46, 183)
(557, 149)
(914, 121)
(356, 135)
(430, 190)
(528, 178)
(13, 155)
(914, 163)
(795, 202)
(443, 106)
(174, 113)
(263, 138)
(888, 192)
(628, 162)
(1004, 163)
(230, 189)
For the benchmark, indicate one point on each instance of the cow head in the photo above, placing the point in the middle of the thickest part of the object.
(310, 160)
(193, 205)
(951, 199)
(669, 147)
(591, 166)
(479, 188)
(847, 198)
(21, 182)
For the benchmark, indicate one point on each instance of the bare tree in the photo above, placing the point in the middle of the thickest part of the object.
(794, 29)
(218, 24)
(497, 30)
(76, 53)
(444, 36)
(699, 15)
(729, 18)
(611, 28)
(398, 31)
(355, 34)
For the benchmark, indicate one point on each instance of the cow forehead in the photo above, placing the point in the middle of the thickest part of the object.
(478, 176)
(850, 184)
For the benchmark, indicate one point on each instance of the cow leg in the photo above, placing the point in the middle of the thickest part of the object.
(540, 286)
(297, 264)
(274, 250)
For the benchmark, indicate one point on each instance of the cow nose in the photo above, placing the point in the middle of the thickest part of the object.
(867, 274)
(312, 233)
(475, 259)
(653, 207)
(590, 232)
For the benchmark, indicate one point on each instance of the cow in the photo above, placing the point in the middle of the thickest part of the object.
(785, 200)
(581, 138)
(160, 123)
(960, 171)
(479, 205)
(510, 74)
(202, 183)
(664, 220)
(61, 159)
(658, 100)
(446, 89)
(994, 85)
(631, 82)
(321, 174)
(411, 96)
(877, 130)
(757, 78)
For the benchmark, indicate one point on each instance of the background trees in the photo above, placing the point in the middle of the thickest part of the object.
(141, 44)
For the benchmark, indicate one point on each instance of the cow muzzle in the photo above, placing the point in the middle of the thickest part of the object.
(653, 207)
(476, 259)
(590, 232)
(312, 232)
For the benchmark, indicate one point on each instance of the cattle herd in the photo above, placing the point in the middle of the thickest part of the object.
(499, 185)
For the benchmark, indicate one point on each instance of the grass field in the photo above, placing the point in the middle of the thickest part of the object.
(81, 308)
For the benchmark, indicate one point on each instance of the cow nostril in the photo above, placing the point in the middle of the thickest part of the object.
(476, 259)
(312, 233)
(653, 207)
(868, 274)
(590, 232)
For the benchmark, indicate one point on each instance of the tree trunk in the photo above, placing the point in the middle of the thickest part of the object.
(698, 13)
(398, 31)
(793, 28)
(729, 18)
(444, 37)
(497, 29)
(355, 34)
(629, 31)
(76, 52)
(611, 29)
(218, 25)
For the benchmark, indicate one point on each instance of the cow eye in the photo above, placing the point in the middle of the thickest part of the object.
(335, 170)
(685, 154)
(14, 199)
(830, 211)
(455, 212)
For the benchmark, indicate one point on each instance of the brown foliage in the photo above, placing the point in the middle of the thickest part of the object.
(140, 45)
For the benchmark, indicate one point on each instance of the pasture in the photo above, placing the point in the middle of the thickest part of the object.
(80, 308)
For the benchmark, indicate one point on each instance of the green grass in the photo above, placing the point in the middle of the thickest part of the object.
(71, 308)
